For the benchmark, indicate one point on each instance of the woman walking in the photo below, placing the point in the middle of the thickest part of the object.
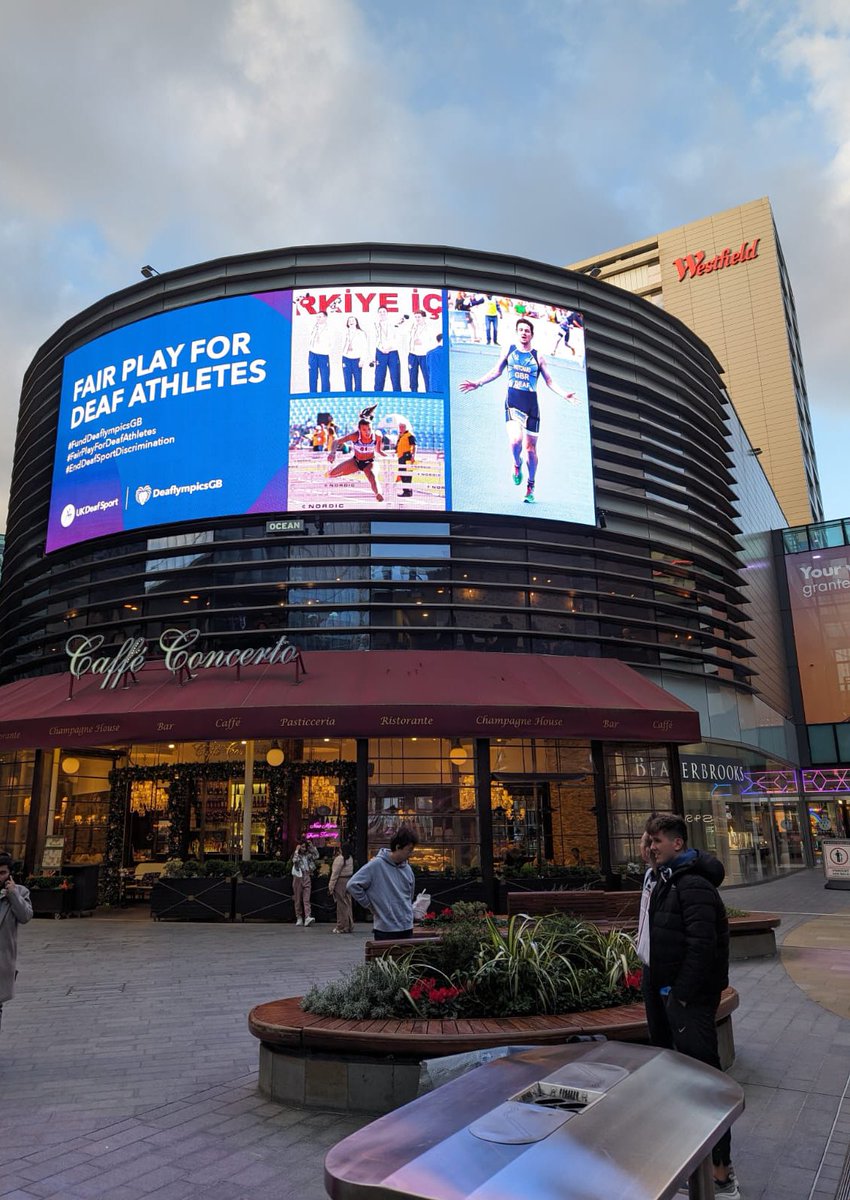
(341, 871)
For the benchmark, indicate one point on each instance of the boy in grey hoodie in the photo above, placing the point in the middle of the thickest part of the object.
(385, 886)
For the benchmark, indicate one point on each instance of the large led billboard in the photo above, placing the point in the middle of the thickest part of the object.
(357, 398)
(819, 587)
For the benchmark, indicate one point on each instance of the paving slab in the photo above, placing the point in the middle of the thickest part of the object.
(133, 1073)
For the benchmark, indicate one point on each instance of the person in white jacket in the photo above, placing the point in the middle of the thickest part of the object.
(15, 910)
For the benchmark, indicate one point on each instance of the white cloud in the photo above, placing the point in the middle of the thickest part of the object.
(171, 132)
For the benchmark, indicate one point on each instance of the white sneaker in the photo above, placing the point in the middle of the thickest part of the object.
(309, 921)
(730, 1188)
(299, 921)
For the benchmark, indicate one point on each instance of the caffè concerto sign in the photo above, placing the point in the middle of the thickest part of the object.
(180, 656)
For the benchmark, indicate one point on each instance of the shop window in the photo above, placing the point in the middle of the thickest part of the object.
(546, 819)
(427, 784)
(82, 807)
(16, 779)
(639, 784)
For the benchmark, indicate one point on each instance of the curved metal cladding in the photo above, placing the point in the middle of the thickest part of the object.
(657, 585)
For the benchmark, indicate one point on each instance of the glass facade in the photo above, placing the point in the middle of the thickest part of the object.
(428, 785)
(542, 804)
(17, 771)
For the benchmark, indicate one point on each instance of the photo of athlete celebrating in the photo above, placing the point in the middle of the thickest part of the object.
(367, 440)
(365, 444)
(524, 366)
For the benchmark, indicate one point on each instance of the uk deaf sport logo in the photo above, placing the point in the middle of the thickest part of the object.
(68, 514)
(143, 494)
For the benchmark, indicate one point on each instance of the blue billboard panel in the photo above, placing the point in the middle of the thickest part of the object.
(175, 417)
(362, 398)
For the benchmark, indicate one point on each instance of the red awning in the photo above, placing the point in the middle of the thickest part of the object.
(354, 694)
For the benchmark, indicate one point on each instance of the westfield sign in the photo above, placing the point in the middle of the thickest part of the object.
(697, 264)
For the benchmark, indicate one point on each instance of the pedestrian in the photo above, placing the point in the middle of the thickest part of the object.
(303, 865)
(524, 367)
(319, 355)
(419, 343)
(688, 964)
(385, 886)
(342, 869)
(15, 910)
(405, 449)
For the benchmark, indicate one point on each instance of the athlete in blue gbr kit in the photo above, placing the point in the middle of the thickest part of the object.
(522, 411)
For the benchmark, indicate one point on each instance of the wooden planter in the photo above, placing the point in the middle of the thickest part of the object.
(373, 1066)
(268, 899)
(192, 899)
(52, 902)
(445, 890)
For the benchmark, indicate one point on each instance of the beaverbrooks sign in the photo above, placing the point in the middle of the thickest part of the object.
(180, 657)
(697, 264)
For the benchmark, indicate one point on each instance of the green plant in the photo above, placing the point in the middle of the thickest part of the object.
(49, 883)
(731, 911)
(220, 868)
(469, 910)
(456, 953)
(175, 868)
(374, 990)
(271, 868)
(531, 967)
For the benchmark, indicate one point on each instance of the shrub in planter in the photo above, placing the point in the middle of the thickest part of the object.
(533, 967)
(190, 892)
(50, 883)
(272, 868)
(220, 868)
(51, 895)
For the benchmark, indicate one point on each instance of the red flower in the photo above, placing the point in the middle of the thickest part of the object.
(633, 978)
(429, 916)
(447, 912)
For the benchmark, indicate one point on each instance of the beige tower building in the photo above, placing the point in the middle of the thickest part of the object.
(725, 277)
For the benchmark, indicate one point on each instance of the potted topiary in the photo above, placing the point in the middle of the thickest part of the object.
(51, 895)
(194, 891)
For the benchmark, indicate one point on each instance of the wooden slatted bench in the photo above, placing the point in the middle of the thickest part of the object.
(398, 947)
(612, 908)
(373, 1066)
(752, 936)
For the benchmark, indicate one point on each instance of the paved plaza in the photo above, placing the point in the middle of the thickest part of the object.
(127, 1070)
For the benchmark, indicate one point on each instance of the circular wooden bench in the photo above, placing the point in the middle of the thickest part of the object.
(373, 1066)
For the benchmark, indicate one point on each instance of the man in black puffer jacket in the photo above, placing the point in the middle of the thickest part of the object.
(688, 958)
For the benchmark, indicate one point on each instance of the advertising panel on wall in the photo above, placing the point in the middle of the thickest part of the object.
(371, 397)
(819, 586)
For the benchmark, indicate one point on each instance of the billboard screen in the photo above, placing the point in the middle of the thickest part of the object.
(819, 586)
(374, 397)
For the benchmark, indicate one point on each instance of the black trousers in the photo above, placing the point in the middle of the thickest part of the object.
(381, 935)
(691, 1030)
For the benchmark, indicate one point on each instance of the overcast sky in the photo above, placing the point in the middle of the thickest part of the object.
(172, 131)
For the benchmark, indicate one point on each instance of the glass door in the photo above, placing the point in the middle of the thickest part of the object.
(522, 825)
